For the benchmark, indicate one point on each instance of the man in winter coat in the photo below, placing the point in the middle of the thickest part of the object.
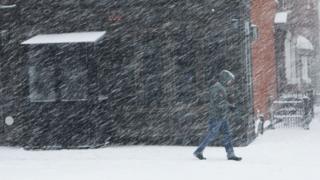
(219, 112)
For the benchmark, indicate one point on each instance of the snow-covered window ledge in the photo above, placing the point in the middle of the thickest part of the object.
(75, 37)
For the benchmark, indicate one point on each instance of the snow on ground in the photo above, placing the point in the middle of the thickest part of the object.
(278, 154)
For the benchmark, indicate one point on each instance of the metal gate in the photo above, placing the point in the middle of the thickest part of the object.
(292, 111)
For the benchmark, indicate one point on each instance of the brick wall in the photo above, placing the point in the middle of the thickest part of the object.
(263, 54)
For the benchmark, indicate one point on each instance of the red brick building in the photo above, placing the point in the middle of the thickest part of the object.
(263, 55)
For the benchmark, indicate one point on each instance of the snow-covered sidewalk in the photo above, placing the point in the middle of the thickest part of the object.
(280, 154)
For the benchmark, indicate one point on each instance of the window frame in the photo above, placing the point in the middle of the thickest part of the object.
(57, 55)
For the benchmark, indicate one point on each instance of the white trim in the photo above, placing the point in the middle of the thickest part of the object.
(287, 102)
(40, 101)
(230, 74)
(290, 59)
(281, 17)
(305, 69)
(304, 43)
(73, 100)
(75, 37)
(8, 6)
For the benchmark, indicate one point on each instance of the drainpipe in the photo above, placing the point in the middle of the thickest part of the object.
(317, 88)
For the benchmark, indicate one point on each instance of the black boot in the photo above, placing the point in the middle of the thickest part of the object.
(234, 158)
(199, 155)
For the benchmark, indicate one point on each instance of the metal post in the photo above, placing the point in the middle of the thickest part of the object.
(261, 117)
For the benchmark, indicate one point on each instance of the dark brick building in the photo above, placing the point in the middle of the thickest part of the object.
(146, 81)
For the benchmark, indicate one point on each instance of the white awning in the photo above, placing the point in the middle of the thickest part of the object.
(304, 43)
(76, 37)
(281, 17)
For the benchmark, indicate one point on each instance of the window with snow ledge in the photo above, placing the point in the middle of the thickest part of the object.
(57, 73)
(58, 65)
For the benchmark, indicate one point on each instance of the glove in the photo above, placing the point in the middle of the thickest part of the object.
(232, 107)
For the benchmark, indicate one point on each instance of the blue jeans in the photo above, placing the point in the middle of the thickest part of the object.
(214, 128)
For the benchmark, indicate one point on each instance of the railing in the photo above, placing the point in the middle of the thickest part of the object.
(292, 111)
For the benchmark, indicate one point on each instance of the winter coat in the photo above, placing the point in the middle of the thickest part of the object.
(219, 107)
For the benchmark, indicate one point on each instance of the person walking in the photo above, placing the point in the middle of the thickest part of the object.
(219, 112)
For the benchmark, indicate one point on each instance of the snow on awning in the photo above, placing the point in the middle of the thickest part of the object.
(281, 17)
(304, 43)
(76, 37)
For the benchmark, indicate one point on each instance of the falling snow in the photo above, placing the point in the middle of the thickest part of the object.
(128, 82)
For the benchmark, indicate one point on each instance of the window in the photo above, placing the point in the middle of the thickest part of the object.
(283, 4)
(185, 72)
(116, 72)
(41, 72)
(254, 32)
(122, 83)
(74, 85)
(151, 69)
(152, 82)
(4, 37)
(310, 4)
(58, 73)
(186, 55)
(185, 84)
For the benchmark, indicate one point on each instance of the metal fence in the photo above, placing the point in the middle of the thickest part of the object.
(292, 111)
